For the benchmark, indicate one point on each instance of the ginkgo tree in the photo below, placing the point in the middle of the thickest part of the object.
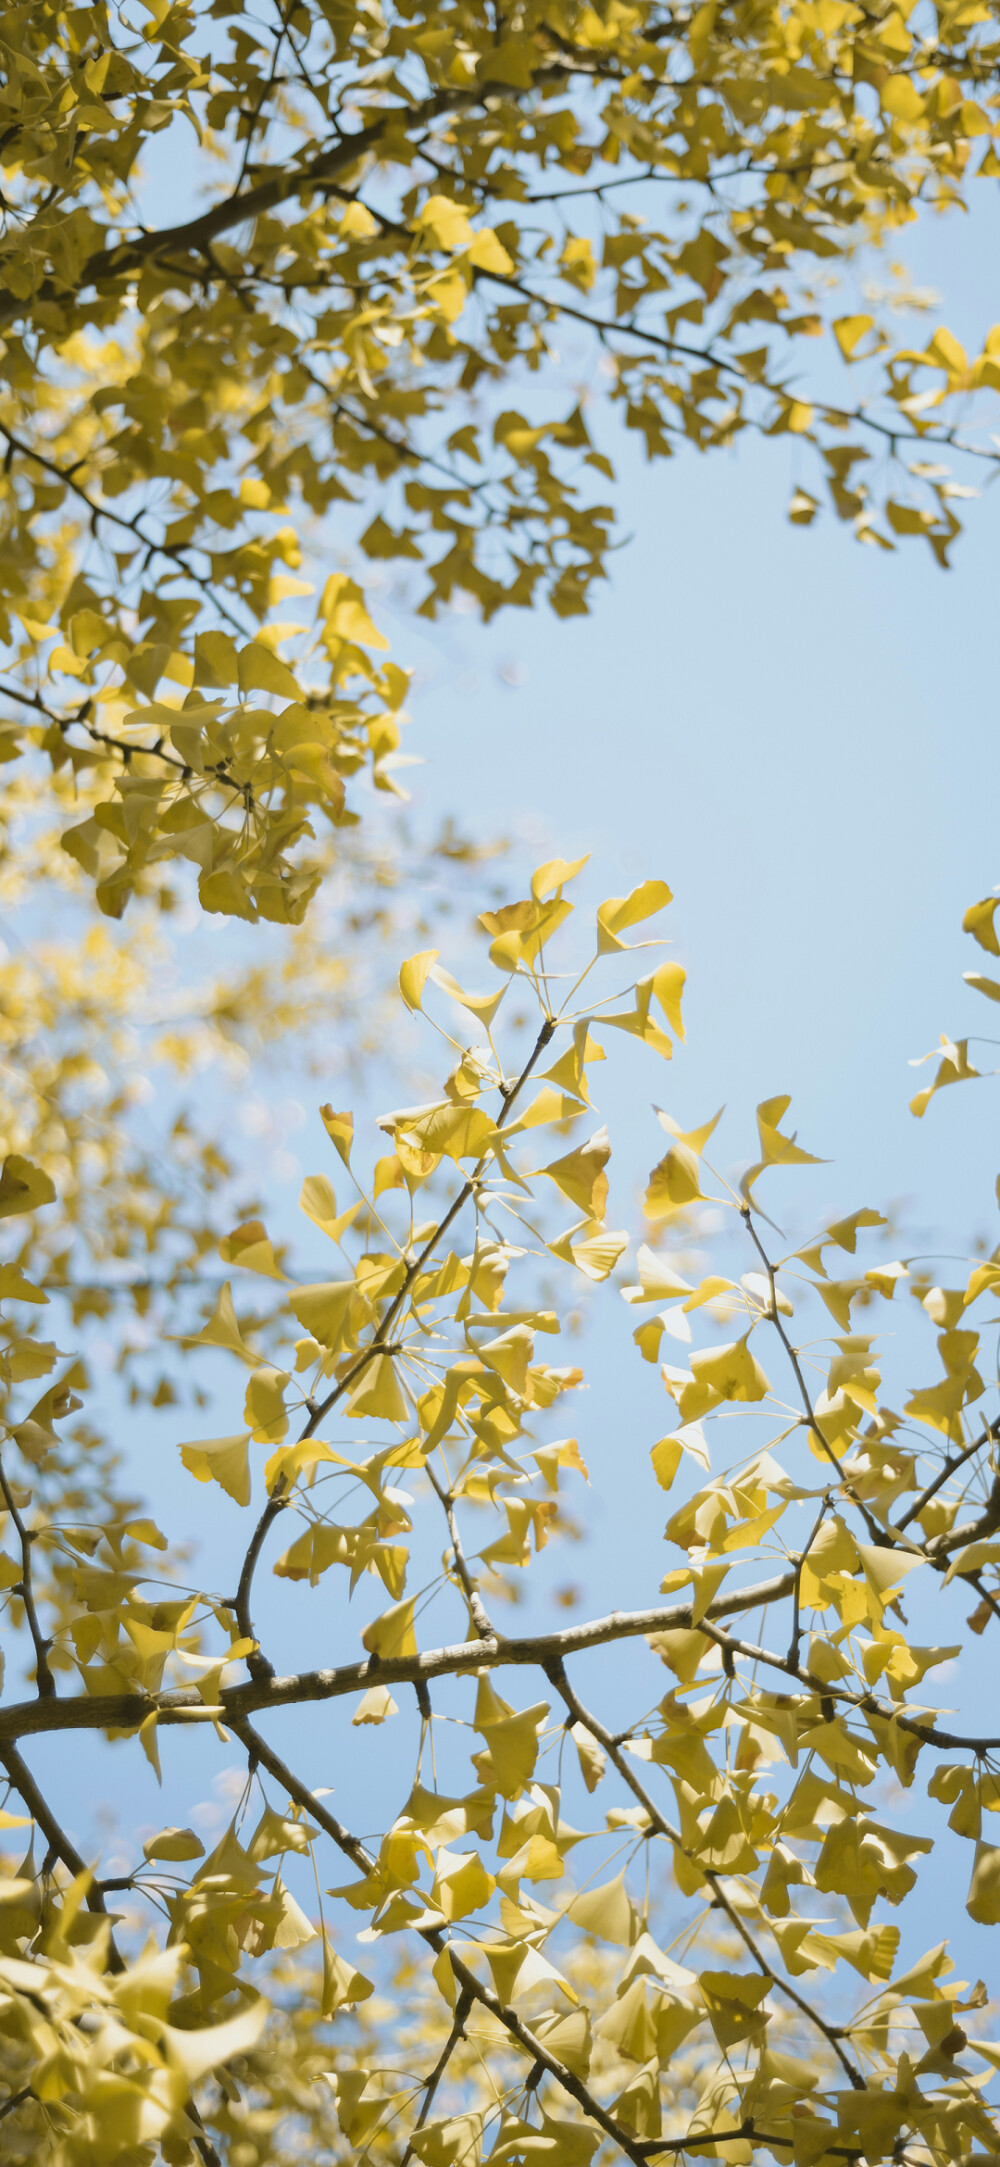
(489, 1977)
(427, 265)
(425, 258)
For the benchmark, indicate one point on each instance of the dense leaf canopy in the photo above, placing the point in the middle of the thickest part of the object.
(437, 246)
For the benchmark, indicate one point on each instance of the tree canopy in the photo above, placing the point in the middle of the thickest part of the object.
(426, 265)
(444, 250)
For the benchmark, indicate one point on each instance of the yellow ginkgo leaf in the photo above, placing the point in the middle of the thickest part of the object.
(443, 223)
(23, 1187)
(461, 1884)
(222, 1330)
(225, 1460)
(414, 974)
(731, 1372)
(334, 1311)
(674, 1183)
(979, 921)
(345, 617)
(481, 1005)
(291, 1461)
(378, 1393)
(249, 1247)
(849, 332)
(621, 911)
(175, 1845)
(554, 874)
(581, 1176)
(318, 1201)
(392, 1635)
(775, 1149)
(341, 1983)
(607, 1912)
(340, 1129)
(194, 2053)
(264, 1406)
(459, 1132)
(487, 253)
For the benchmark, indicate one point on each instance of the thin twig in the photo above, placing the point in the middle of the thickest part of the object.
(480, 1615)
(793, 1645)
(950, 1467)
(100, 510)
(258, 1664)
(43, 1676)
(457, 2032)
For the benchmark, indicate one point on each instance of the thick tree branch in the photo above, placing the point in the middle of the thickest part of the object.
(283, 184)
(123, 1711)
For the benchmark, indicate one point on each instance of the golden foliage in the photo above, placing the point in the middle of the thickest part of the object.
(404, 213)
(407, 213)
(749, 1780)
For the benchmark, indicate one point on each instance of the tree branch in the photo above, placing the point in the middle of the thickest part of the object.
(43, 1675)
(950, 1467)
(237, 209)
(67, 476)
(457, 2032)
(793, 1645)
(16, 2100)
(480, 1615)
(57, 1839)
(556, 1673)
(257, 1664)
(127, 1710)
(467, 1980)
